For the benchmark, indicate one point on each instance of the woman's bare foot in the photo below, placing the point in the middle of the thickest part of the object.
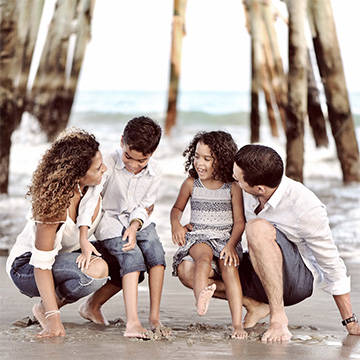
(255, 314)
(93, 314)
(39, 313)
(136, 331)
(239, 333)
(204, 299)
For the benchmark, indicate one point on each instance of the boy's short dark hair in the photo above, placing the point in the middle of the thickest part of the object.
(142, 134)
(261, 165)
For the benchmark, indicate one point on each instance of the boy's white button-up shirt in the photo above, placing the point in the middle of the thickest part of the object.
(126, 195)
(302, 217)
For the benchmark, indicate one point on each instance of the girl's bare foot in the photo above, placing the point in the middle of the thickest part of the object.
(204, 299)
(255, 314)
(93, 314)
(136, 331)
(39, 313)
(239, 333)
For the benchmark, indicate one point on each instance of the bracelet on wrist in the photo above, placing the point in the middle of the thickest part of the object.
(139, 221)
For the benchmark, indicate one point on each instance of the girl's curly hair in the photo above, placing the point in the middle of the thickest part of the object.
(61, 167)
(222, 148)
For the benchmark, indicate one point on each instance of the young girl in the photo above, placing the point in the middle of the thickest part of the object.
(217, 221)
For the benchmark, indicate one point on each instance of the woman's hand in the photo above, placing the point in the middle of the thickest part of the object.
(53, 328)
(87, 249)
(229, 255)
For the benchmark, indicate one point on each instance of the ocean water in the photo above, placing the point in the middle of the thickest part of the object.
(105, 114)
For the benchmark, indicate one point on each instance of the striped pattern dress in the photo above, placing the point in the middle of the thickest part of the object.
(212, 219)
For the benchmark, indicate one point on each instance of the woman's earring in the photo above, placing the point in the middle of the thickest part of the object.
(80, 192)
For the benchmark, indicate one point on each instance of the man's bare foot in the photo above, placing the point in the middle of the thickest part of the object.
(93, 314)
(39, 312)
(255, 314)
(204, 299)
(278, 332)
(136, 331)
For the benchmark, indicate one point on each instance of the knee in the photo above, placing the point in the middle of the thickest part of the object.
(98, 269)
(185, 272)
(259, 231)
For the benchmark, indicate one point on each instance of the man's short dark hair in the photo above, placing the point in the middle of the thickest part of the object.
(261, 165)
(142, 134)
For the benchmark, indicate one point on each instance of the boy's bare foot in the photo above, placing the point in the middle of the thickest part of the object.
(255, 314)
(204, 299)
(239, 333)
(39, 312)
(157, 327)
(136, 331)
(93, 314)
(278, 332)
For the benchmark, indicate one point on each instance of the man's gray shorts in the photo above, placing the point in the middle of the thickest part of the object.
(297, 278)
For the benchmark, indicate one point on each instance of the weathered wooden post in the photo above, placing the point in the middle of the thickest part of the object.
(297, 90)
(257, 61)
(178, 32)
(278, 79)
(19, 24)
(331, 70)
(53, 91)
(315, 113)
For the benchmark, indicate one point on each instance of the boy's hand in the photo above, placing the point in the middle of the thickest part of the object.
(229, 254)
(130, 235)
(178, 233)
(83, 260)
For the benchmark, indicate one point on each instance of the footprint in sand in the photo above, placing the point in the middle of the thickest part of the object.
(204, 299)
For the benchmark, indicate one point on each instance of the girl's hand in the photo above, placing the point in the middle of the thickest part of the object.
(53, 328)
(178, 234)
(130, 235)
(83, 260)
(230, 256)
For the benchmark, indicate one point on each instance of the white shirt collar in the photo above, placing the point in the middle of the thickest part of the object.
(278, 193)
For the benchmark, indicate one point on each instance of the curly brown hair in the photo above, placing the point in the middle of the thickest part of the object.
(222, 148)
(61, 167)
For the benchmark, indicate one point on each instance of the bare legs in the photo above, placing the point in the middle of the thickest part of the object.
(156, 280)
(256, 311)
(91, 309)
(267, 261)
(232, 283)
(202, 254)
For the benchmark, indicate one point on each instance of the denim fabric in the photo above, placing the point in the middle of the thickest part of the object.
(148, 251)
(71, 284)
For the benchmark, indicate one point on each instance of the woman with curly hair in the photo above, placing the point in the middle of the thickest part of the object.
(216, 223)
(43, 261)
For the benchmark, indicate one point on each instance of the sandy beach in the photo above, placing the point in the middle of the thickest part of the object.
(315, 324)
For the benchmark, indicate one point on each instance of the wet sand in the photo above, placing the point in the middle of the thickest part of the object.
(315, 324)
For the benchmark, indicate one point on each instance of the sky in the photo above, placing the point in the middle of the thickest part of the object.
(131, 42)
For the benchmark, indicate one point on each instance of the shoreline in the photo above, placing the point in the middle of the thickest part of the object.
(315, 324)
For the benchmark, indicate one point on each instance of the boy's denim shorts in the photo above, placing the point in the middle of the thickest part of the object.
(297, 278)
(148, 251)
(71, 284)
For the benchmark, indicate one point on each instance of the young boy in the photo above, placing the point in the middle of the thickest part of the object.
(125, 230)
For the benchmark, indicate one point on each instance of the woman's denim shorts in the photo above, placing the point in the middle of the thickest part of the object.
(71, 284)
